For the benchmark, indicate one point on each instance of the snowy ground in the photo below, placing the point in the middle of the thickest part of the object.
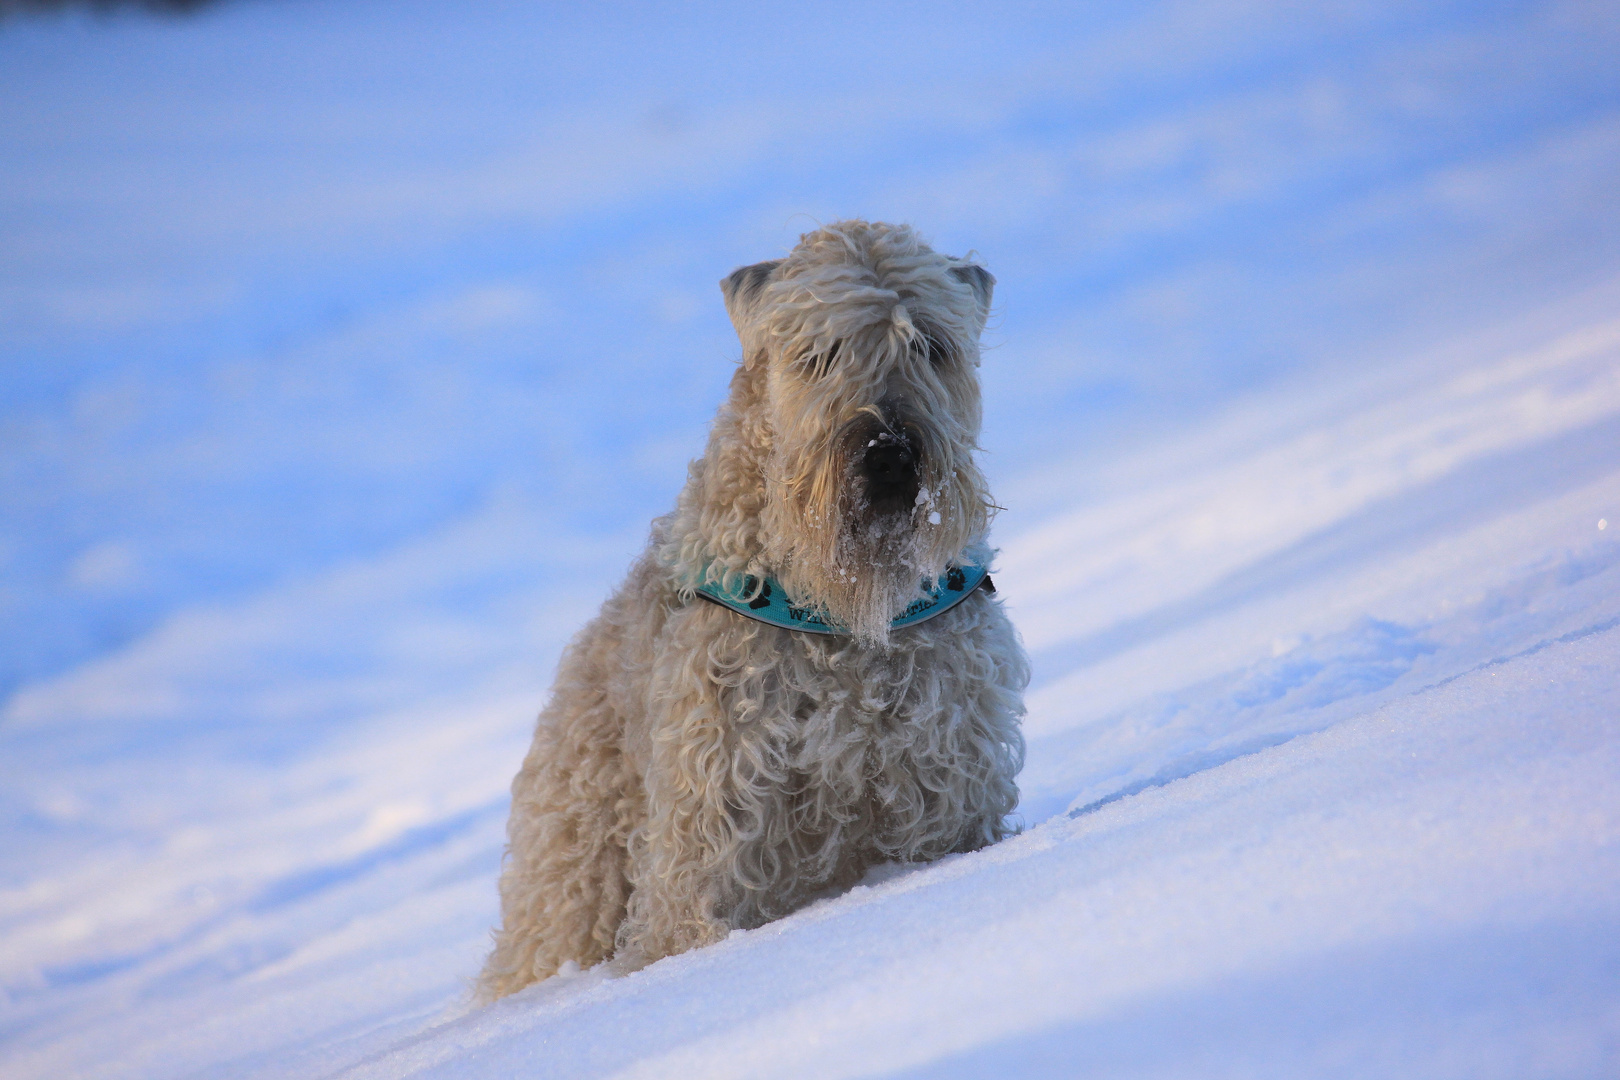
(1305, 407)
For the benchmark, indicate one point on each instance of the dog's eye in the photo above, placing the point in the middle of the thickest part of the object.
(818, 364)
(934, 349)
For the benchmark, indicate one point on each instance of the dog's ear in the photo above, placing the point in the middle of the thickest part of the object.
(742, 289)
(980, 280)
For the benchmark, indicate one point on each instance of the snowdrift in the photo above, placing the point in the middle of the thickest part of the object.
(1321, 783)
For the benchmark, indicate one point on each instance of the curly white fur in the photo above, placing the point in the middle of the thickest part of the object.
(696, 771)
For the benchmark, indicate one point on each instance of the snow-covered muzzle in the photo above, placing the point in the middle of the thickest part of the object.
(882, 453)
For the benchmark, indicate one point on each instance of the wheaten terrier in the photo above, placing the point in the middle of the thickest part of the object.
(806, 672)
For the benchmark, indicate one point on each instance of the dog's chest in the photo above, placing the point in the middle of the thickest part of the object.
(806, 695)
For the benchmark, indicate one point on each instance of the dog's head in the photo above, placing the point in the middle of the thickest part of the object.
(868, 344)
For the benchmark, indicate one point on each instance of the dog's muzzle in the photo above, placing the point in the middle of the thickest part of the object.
(889, 468)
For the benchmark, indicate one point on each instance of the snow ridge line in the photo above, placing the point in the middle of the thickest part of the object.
(1261, 745)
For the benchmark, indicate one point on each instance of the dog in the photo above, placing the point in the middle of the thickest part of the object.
(807, 672)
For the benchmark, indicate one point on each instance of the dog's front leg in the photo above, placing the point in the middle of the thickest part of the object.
(678, 853)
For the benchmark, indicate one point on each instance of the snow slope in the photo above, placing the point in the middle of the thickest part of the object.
(350, 347)
(1339, 783)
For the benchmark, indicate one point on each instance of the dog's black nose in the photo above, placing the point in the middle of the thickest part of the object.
(890, 462)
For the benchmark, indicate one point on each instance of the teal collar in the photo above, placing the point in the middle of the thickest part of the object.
(767, 602)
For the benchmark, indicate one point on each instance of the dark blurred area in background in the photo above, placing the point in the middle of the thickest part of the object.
(10, 8)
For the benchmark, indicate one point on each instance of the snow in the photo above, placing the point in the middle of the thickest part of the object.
(355, 345)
